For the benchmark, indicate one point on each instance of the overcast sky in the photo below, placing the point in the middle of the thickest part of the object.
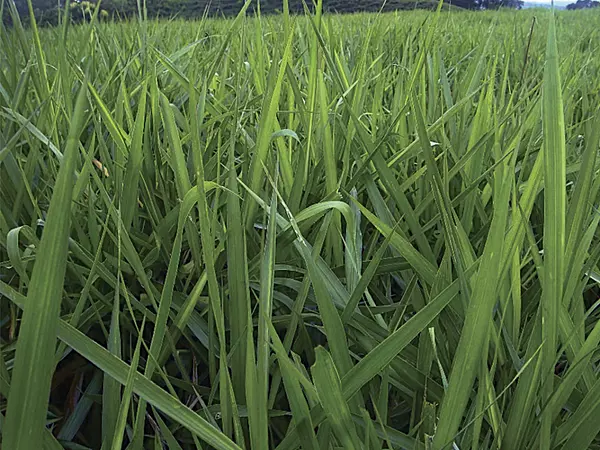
(556, 2)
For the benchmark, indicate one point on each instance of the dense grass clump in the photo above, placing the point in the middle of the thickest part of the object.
(358, 232)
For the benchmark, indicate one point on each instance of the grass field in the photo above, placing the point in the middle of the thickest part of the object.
(318, 232)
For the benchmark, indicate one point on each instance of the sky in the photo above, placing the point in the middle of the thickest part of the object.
(546, 2)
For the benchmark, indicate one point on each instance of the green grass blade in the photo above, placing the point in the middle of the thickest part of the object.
(554, 216)
(336, 408)
(34, 362)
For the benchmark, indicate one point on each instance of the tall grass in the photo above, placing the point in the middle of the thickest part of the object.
(364, 231)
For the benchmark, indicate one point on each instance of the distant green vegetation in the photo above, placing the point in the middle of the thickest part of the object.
(48, 11)
(360, 232)
(584, 4)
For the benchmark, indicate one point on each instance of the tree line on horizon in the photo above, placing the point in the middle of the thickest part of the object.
(583, 4)
(46, 10)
